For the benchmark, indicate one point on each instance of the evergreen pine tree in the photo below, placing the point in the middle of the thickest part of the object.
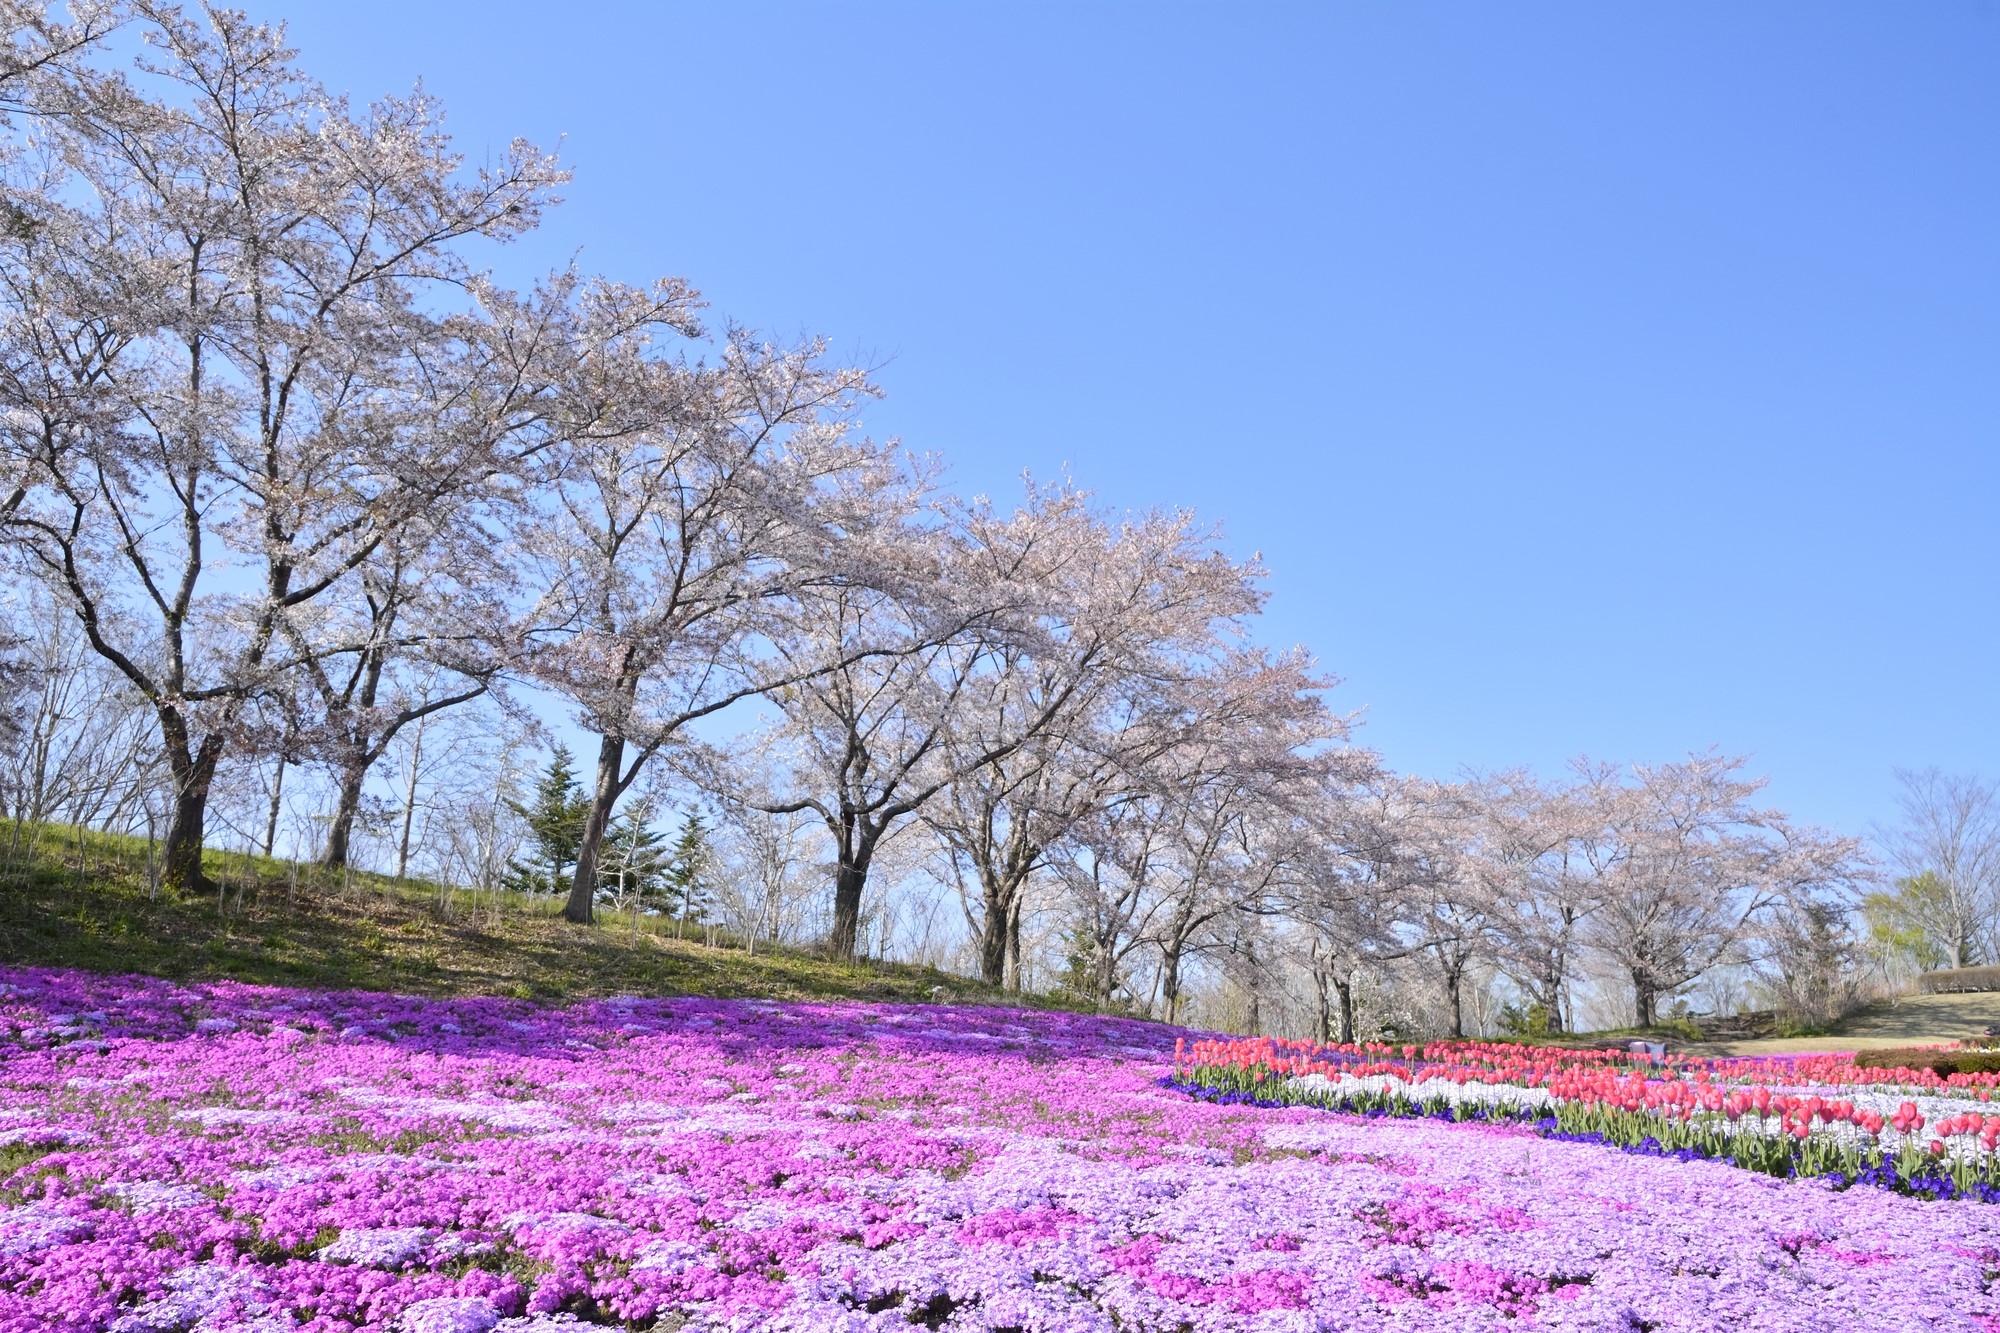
(555, 824)
(687, 873)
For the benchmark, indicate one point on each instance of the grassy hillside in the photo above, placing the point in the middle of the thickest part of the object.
(83, 900)
(1911, 1020)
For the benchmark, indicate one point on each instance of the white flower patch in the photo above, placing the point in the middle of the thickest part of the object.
(452, 1245)
(632, 1112)
(281, 1177)
(50, 1135)
(377, 1247)
(660, 1185)
(759, 1217)
(155, 1196)
(819, 1150)
(671, 1256)
(1471, 1095)
(34, 1227)
(200, 1291)
(520, 1116)
(449, 1314)
(559, 1223)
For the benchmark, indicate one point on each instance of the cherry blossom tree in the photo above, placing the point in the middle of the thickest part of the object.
(1698, 867)
(682, 508)
(234, 261)
(1950, 830)
(868, 739)
(1087, 685)
(1535, 851)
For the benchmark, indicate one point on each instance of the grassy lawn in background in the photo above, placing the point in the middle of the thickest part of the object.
(1911, 1020)
(87, 904)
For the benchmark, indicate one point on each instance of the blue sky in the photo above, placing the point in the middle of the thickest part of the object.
(1593, 378)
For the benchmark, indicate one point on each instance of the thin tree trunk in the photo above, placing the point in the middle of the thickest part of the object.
(277, 793)
(1344, 988)
(410, 801)
(590, 849)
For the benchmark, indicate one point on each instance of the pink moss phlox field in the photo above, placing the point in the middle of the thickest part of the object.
(200, 1158)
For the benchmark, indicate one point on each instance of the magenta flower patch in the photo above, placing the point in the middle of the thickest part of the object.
(202, 1159)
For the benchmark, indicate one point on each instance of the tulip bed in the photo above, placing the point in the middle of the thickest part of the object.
(201, 1158)
(1907, 1130)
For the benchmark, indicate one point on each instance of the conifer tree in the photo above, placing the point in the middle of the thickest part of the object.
(555, 825)
(687, 875)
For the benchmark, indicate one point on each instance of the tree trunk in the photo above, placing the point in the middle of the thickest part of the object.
(1643, 998)
(993, 929)
(410, 803)
(604, 795)
(340, 833)
(1344, 987)
(993, 940)
(1454, 985)
(1170, 982)
(193, 772)
(1011, 977)
(1104, 974)
(277, 794)
(850, 878)
(1551, 998)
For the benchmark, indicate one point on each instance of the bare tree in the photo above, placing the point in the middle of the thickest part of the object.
(769, 874)
(82, 748)
(1950, 830)
(408, 654)
(1817, 879)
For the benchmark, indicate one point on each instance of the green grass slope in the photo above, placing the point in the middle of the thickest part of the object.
(70, 899)
(1910, 1020)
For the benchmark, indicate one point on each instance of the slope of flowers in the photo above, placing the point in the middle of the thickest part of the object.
(226, 1158)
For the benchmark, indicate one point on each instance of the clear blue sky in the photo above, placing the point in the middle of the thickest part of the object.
(1607, 379)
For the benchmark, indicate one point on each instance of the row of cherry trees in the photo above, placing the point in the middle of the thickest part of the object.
(305, 479)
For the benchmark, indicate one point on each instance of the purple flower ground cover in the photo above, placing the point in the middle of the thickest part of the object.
(217, 1157)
